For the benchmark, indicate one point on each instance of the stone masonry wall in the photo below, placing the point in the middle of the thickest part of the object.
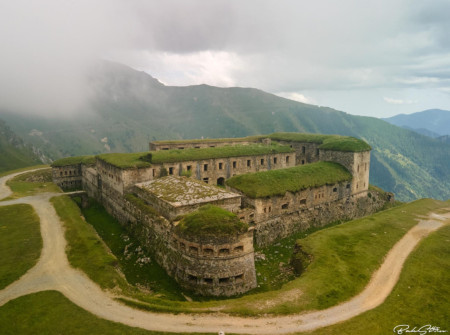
(68, 177)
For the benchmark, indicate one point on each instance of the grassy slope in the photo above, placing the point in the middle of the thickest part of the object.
(20, 242)
(14, 154)
(85, 250)
(345, 256)
(51, 313)
(21, 186)
(420, 297)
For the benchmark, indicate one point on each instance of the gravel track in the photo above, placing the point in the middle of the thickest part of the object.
(53, 272)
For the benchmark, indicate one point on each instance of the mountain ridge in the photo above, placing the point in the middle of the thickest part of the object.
(133, 108)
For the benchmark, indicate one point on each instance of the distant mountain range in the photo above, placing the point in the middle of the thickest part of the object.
(14, 153)
(432, 122)
(131, 108)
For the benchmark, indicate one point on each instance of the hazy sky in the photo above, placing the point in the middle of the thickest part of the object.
(376, 58)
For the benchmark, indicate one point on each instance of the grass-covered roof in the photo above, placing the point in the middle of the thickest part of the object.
(327, 142)
(210, 221)
(278, 182)
(210, 140)
(74, 160)
(144, 159)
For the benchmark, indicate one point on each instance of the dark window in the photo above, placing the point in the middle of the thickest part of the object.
(287, 159)
(317, 152)
(208, 280)
(265, 209)
(303, 162)
(206, 180)
(284, 206)
(181, 148)
(274, 160)
(208, 251)
(224, 251)
(348, 186)
(192, 278)
(234, 165)
(249, 163)
(212, 146)
(302, 201)
(262, 161)
(239, 249)
(303, 150)
(193, 250)
(220, 166)
(270, 209)
(335, 189)
(189, 167)
(153, 172)
(224, 280)
(165, 148)
(197, 147)
(171, 170)
(205, 167)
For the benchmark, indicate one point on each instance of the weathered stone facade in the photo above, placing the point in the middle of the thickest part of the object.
(221, 266)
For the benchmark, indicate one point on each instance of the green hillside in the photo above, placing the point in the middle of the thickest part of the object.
(13, 152)
(131, 108)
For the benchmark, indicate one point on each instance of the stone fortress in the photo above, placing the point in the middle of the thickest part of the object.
(200, 206)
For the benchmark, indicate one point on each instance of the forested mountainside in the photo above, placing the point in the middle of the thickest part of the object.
(131, 108)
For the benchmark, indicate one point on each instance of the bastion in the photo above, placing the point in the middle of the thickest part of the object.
(200, 205)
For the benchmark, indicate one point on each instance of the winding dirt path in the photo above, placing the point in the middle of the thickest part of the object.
(53, 272)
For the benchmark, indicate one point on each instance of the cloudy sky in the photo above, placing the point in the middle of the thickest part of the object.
(377, 58)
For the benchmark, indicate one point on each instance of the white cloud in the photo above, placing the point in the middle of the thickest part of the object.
(399, 101)
(297, 97)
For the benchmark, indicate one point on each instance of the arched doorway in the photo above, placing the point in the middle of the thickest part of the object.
(221, 181)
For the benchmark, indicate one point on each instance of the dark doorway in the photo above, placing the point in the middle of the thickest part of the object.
(221, 181)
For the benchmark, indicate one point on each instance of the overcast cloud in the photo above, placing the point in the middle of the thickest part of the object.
(375, 58)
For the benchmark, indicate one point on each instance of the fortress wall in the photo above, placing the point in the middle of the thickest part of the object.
(305, 152)
(68, 177)
(357, 163)
(133, 176)
(216, 267)
(110, 174)
(210, 170)
(90, 181)
(351, 207)
(230, 266)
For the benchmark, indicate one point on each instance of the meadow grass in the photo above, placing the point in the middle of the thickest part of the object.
(420, 298)
(343, 259)
(51, 313)
(32, 183)
(85, 250)
(5, 173)
(145, 159)
(89, 159)
(20, 242)
(278, 182)
(210, 220)
(326, 142)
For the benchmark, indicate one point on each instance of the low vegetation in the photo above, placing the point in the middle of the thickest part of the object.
(51, 313)
(211, 140)
(420, 297)
(278, 182)
(326, 142)
(85, 249)
(20, 242)
(211, 221)
(32, 183)
(145, 159)
(88, 160)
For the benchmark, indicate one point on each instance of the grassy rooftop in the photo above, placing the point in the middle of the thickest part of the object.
(145, 159)
(278, 182)
(212, 221)
(327, 142)
(74, 160)
(211, 140)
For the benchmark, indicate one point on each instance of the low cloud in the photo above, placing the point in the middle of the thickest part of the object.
(297, 97)
(399, 101)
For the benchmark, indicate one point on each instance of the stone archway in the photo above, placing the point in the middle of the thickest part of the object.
(221, 181)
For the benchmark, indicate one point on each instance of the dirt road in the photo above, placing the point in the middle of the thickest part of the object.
(53, 272)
